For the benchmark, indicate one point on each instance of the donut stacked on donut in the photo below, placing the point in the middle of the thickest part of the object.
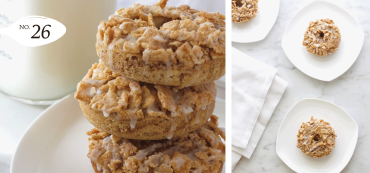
(316, 138)
(137, 110)
(153, 90)
(164, 45)
(322, 37)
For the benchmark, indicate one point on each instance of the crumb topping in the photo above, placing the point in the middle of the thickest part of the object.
(316, 138)
(322, 37)
(162, 34)
(243, 10)
(129, 100)
(201, 150)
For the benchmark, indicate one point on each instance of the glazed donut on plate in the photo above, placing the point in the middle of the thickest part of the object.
(316, 138)
(172, 46)
(136, 110)
(322, 37)
(243, 10)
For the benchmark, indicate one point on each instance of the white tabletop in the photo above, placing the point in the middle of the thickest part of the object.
(351, 91)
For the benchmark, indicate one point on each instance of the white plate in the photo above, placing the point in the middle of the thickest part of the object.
(332, 66)
(345, 128)
(57, 142)
(221, 82)
(257, 28)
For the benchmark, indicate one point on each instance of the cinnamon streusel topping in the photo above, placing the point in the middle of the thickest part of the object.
(162, 34)
(322, 37)
(316, 138)
(244, 10)
(130, 100)
(199, 151)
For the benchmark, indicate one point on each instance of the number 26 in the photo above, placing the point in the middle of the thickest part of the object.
(42, 33)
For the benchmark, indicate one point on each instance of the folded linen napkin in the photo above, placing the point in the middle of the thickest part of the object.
(251, 81)
(256, 91)
(273, 97)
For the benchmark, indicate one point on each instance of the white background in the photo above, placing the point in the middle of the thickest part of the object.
(351, 91)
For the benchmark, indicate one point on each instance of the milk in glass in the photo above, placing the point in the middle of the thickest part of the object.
(51, 71)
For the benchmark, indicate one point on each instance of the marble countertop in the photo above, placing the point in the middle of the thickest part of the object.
(351, 91)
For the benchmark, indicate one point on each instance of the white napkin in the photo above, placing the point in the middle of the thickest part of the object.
(235, 157)
(256, 92)
(251, 81)
(273, 97)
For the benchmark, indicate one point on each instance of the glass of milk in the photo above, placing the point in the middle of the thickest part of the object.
(41, 75)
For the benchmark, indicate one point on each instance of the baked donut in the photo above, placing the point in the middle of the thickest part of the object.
(322, 37)
(316, 138)
(199, 151)
(164, 45)
(243, 10)
(136, 110)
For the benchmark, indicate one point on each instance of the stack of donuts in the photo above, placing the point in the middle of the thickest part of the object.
(152, 95)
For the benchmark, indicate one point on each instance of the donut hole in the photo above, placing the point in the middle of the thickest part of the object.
(316, 137)
(321, 34)
(238, 3)
(134, 58)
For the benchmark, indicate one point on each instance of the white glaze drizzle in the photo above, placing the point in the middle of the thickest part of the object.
(141, 153)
